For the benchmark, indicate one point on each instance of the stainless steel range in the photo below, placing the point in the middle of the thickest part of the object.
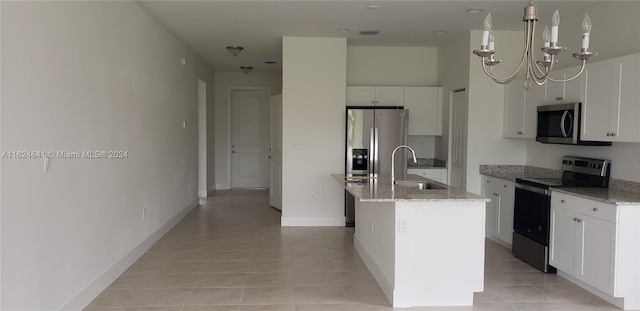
(533, 204)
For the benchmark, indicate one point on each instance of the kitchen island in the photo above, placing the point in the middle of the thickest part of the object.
(425, 247)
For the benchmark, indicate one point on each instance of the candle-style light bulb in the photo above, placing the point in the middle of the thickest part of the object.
(487, 22)
(555, 22)
(586, 29)
(487, 29)
(492, 41)
(546, 36)
(546, 39)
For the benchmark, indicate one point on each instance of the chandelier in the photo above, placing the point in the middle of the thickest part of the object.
(537, 71)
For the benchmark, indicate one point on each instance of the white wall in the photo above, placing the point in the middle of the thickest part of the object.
(615, 30)
(392, 66)
(90, 76)
(313, 118)
(422, 145)
(224, 82)
(452, 56)
(486, 107)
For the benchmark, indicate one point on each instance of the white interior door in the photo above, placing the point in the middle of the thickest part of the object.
(250, 138)
(275, 189)
(459, 111)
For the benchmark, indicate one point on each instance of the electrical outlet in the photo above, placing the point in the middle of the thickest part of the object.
(144, 213)
(189, 185)
(372, 227)
(312, 196)
(403, 225)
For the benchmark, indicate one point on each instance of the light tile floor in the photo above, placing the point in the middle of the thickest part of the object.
(231, 254)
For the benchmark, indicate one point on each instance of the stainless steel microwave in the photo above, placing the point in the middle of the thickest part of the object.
(560, 124)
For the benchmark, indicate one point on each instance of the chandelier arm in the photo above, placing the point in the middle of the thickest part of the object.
(539, 76)
(494, 78)
(584, 62)
(513, 75)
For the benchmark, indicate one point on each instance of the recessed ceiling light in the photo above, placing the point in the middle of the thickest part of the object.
(369, 32)
(372, 7)
(475, 11)
(440, 32)
(344, 30)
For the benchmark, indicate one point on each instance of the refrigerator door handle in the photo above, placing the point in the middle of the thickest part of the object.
(375, 153)
(372, 146)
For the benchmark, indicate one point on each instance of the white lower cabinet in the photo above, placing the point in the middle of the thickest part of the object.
(437, 174)
(583, 247)
(499, 212)
(597, 244)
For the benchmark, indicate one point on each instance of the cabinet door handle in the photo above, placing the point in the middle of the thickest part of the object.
(496, 194)
(575, 219)
(595, 209)
(579, 220)
(561, 201)
(608, 134)
(504, 186)
(613, 134)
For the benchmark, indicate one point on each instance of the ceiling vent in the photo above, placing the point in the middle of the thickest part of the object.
(369, 32)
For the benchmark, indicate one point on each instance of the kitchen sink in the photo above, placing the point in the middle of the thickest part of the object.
(418, 185)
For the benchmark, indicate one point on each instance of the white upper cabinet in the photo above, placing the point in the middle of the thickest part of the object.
(570, 91)
(520, 109)
(425, 110)
(375, 96)
(389, 96)
(611, 105)
(361, 95)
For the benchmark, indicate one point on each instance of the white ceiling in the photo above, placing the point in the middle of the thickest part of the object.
(209, 26)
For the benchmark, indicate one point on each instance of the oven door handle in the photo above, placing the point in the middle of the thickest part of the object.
(534, 189)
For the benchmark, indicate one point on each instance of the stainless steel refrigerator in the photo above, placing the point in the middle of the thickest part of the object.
(371, 136)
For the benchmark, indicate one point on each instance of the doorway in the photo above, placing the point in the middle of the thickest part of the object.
(250, 141)
(458, 143)
(202, 139)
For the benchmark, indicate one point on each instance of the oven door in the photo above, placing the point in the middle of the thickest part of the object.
(531, 213)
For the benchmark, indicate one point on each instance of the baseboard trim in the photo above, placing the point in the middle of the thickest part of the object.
(100, 283)
(312, 221)
(203, 193)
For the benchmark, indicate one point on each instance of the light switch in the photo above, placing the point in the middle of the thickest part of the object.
(184, 124)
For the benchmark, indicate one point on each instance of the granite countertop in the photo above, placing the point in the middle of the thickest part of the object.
(619, 192)
(605, 195)
(379, 189)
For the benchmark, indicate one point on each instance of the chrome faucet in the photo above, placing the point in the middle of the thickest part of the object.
(393, 161)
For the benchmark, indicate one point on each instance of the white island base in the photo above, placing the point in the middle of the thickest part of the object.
(428, 253)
